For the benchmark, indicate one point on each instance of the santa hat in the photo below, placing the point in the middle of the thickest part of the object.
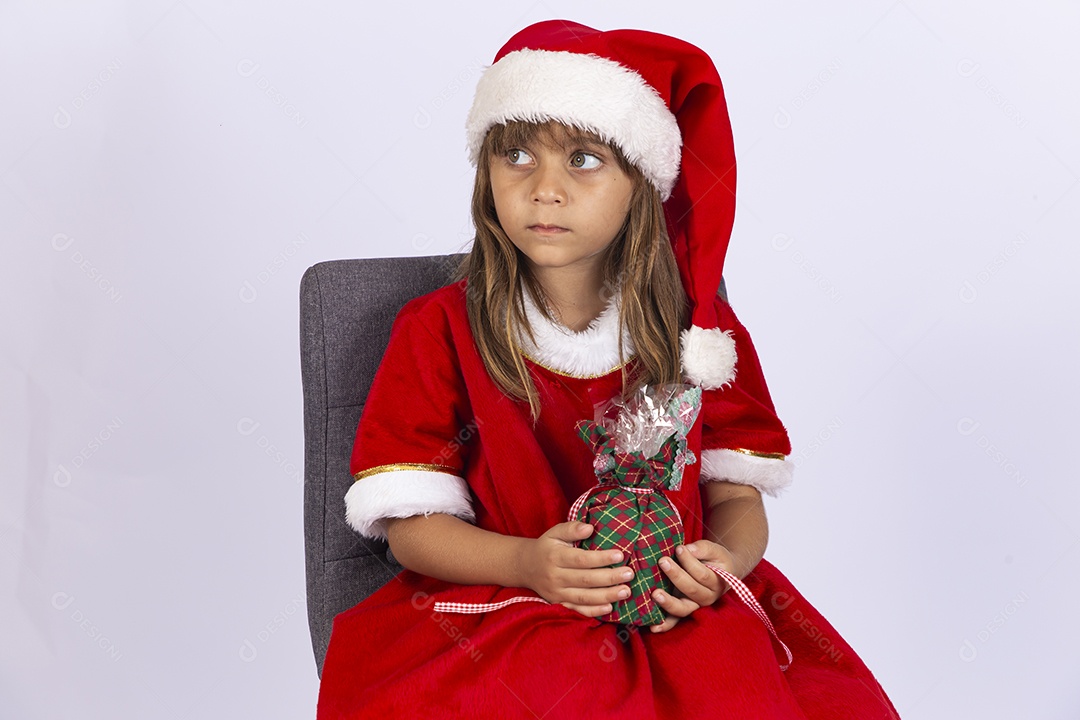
(659, 99)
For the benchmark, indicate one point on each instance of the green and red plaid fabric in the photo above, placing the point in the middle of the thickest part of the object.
(629, 511)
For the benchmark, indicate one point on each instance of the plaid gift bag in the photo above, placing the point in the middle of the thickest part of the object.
(628, 508)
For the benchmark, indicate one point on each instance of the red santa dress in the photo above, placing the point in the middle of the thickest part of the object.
(437, 435)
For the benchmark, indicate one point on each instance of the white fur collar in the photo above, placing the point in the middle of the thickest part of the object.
(590, 353)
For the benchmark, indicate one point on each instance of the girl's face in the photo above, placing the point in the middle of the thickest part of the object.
(560, 202)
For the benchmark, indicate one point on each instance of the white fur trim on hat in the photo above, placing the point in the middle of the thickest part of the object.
(585, 91)
(593, 351)
(708, 356)
(769, 475)
(404, 493)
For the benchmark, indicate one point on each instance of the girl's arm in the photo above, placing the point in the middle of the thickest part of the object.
(735, 518)
(448, 548)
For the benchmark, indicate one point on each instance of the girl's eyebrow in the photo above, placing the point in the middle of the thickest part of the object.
(579, 140)
(586, 142)
(573, 141)
(596, 148)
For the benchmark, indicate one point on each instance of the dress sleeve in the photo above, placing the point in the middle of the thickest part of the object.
(411, 446)
(743, 440)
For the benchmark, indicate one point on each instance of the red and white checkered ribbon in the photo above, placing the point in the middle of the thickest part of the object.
(748, 597)
(736, 584)
(639, 490)
(477, 608)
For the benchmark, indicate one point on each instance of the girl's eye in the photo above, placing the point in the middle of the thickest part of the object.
(584, 160)
(517, 156)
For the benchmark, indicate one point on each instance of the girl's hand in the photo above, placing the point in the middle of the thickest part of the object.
(570, 576)
(696, 585)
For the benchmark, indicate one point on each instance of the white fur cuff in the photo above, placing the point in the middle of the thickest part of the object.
(708, 357)
(404, 493)
(769, 475)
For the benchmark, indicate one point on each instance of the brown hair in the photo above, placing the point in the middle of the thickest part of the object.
(639, 262)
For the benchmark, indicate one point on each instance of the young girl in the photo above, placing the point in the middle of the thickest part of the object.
(603, 204)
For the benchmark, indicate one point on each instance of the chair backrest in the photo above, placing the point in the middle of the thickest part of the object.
(346, 310)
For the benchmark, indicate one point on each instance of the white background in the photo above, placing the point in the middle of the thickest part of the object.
(904, 256)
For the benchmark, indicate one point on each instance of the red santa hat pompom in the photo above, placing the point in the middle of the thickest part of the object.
(659, 99)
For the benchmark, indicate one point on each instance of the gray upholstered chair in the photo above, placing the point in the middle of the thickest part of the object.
(346, 310)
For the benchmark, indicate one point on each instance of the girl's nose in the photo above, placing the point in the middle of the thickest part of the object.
(548, 185)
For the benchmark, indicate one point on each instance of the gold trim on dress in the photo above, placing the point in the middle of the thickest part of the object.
(397, 467)
(534, 361)
(770, 456)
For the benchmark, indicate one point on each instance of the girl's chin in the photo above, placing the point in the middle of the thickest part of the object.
(550, 261)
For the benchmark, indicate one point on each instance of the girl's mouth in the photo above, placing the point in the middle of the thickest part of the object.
(547, 228)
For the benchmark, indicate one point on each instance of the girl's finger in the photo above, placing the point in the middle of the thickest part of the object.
(691, 559)
(669, 623)
(588, 610)
(694, 567)
(706, 551)
(702, 587)
(724, 585)
(679, 607)
(598, 578)
(572, 557)
(594, 597)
